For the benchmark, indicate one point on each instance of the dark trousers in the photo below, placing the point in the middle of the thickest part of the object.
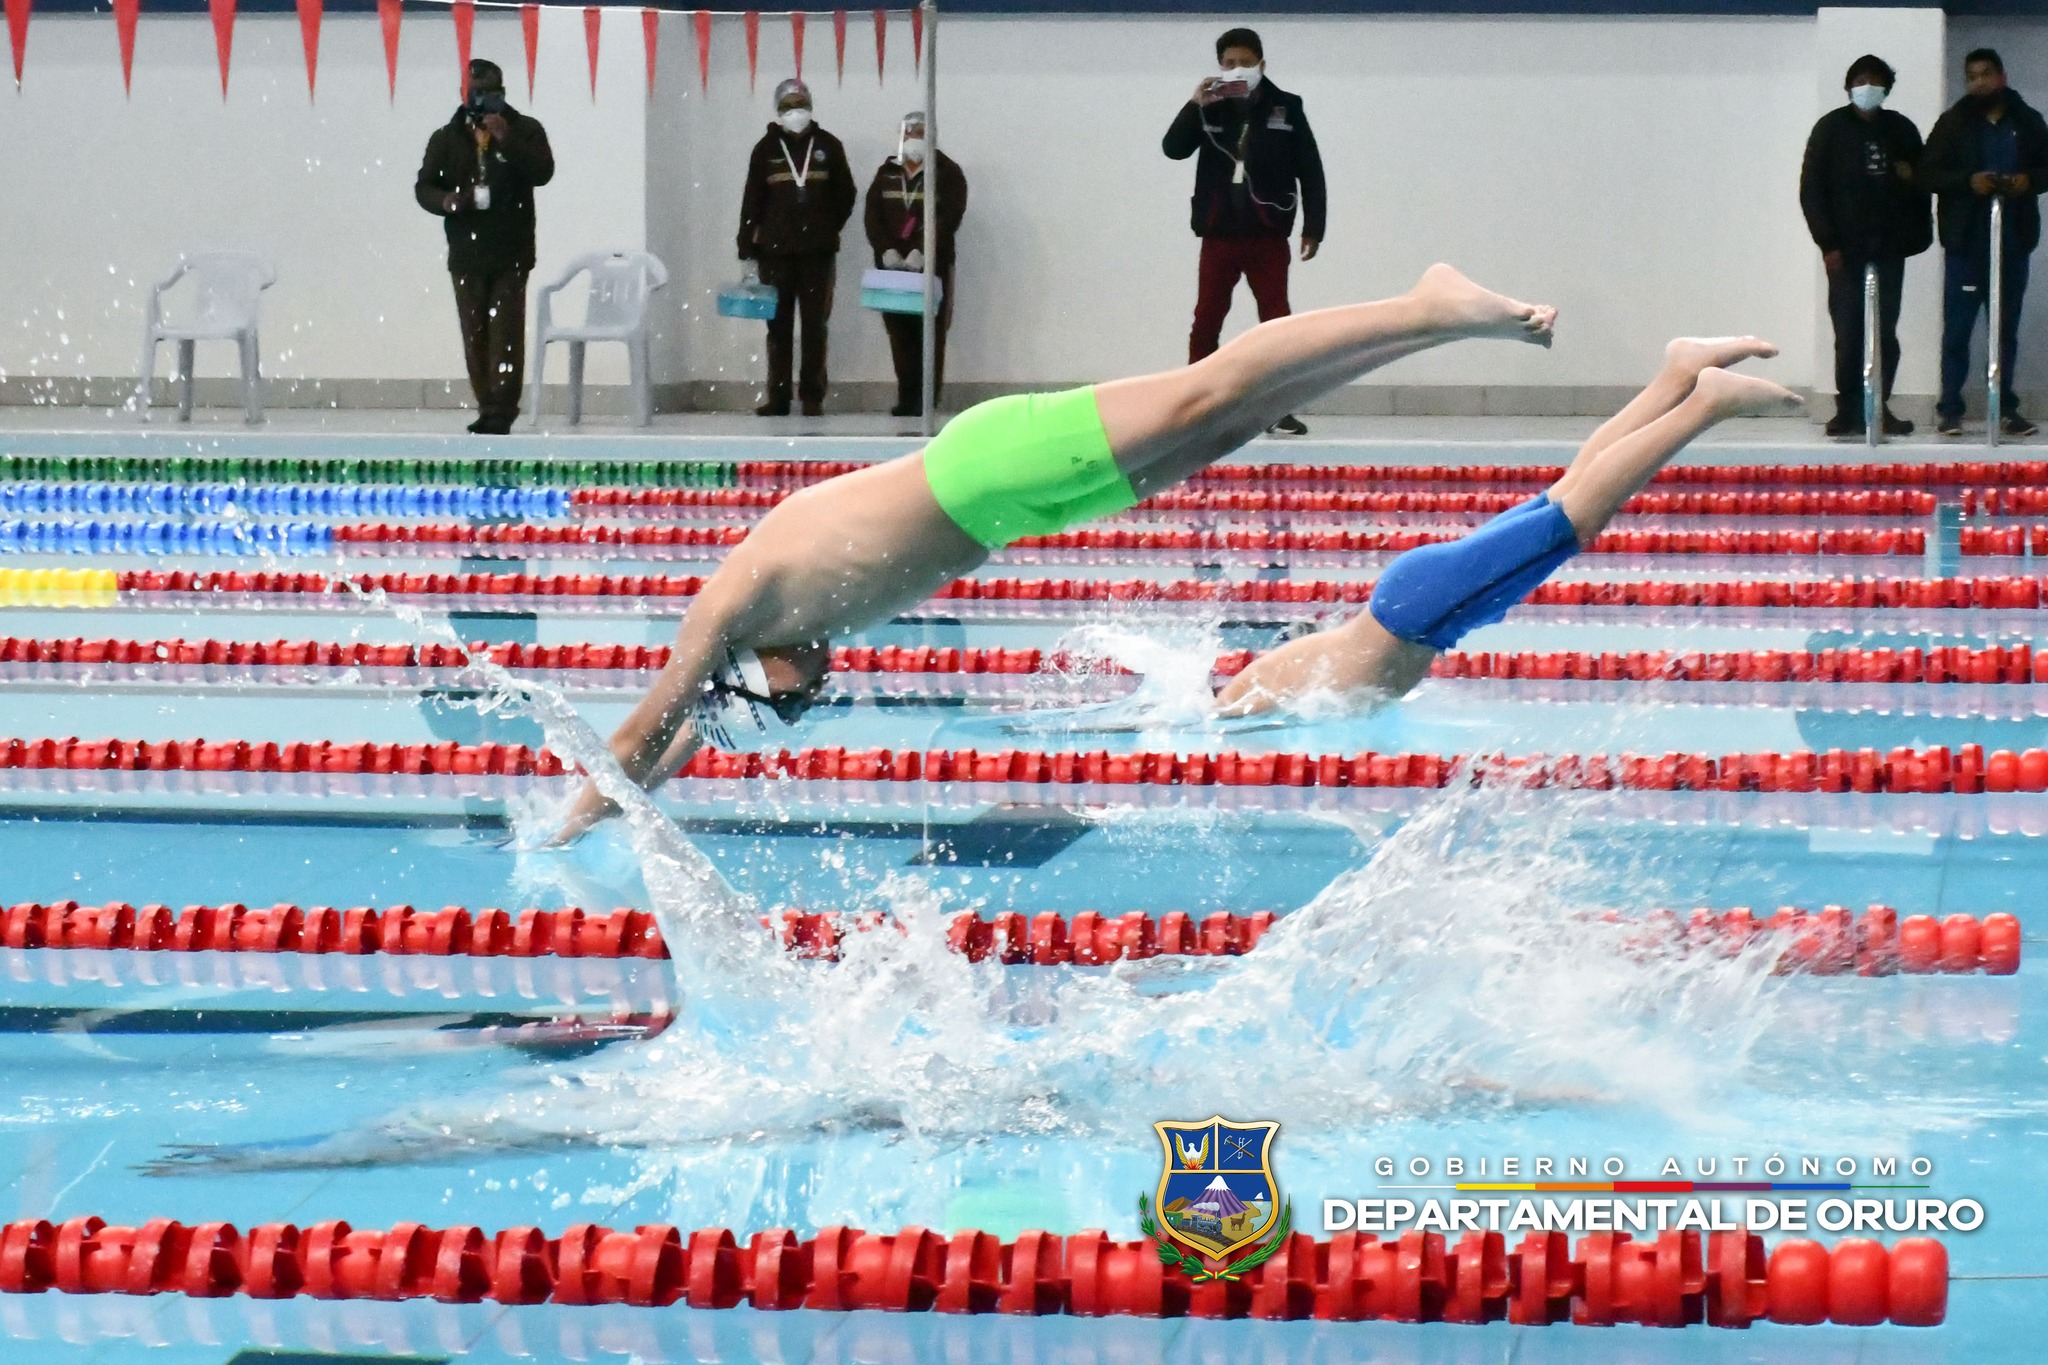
(806, 283)
(906, 348)
(1260, 260)
(492, 307)
(1966, 279)
(1845, 306)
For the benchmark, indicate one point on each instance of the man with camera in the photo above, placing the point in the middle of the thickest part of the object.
(1256, 163)
(479, 175)
(1991, 143)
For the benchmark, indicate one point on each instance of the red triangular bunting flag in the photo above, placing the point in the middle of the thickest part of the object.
(650, 31)
(17, 34)
(703, 20)
(753, 20)
(223, 12)
(529, 30)
(881, 42)
(464, 14)
(391, 12)
(124, 28)
(309, 36)
(917, 36)
(593, 18)
(839, 41)
(796, 39)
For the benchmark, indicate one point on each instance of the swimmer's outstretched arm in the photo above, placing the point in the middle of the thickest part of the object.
(1690, 395)
(658, 738)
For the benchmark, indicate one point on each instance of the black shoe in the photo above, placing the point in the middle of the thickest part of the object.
(1948, 426)
(771, 408)
(480, 427)
(1841, 425)
(1895, 425)
(492, 426)
(909, 407)
(1290, 425)
(812, 409)
(2017, 425)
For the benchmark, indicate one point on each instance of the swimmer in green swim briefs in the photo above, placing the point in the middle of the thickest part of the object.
(853, 551)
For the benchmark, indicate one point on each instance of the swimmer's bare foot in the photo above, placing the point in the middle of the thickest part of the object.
(1744, 395)
(1689, 355)
(1479, 312)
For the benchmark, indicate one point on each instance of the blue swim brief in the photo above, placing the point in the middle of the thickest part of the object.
(1434, 594)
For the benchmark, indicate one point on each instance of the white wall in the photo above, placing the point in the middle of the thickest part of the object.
(98, 193)
(1641, 173)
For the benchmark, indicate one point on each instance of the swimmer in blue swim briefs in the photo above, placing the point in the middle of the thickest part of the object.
(1431, 596)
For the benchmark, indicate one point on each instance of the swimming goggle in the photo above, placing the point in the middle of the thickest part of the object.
(739, 693)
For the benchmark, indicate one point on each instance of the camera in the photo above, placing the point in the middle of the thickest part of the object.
(481, 105)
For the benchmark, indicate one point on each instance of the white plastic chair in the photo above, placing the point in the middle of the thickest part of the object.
(615, 310)
(225, 298)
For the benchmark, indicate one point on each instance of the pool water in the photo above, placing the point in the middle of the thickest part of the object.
(1446, 979)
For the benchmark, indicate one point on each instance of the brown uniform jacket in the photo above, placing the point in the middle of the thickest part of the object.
(780, 218)
(895, 210)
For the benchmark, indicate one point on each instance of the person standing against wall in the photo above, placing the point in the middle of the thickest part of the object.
(799, 195)
(1256, 163)
(894, 218)
(1990, 143)
(1863, 209)
(479, 174)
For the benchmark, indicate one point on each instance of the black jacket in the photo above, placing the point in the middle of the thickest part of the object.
(501, 236)
(1856, 201)
(1955, 152)
(779, 219)
(1269, 133)
(894, 216)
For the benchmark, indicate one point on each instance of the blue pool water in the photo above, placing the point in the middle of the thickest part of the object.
(1441, 984)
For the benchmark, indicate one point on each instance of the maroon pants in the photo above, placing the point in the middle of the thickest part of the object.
(1260, 260)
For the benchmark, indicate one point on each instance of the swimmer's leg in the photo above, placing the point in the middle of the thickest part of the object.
(1684, 358)
(1599, 482)
(1164, 427)
(1364, 654)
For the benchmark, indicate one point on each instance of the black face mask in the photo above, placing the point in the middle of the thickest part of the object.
(1987, 103)
(485, 102)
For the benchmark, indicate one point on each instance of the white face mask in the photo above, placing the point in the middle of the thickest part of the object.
(1868, 97)
(794, 121)
(911, 150)
(1250, 75)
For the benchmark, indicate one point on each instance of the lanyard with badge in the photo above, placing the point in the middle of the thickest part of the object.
(800, 177)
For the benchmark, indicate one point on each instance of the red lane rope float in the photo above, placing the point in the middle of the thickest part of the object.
(1828, 942)
(2003, 474)
(242, 756)
(2016, 664)
(1673, 1281)
(1967, 770)
(1806, 502)
(2005, 592)
(1865, 540)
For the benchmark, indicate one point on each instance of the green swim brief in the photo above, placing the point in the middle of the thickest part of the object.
(1030, 464)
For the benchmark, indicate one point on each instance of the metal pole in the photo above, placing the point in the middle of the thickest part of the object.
(1994, 371)
(1873, 362)
(929, 347)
